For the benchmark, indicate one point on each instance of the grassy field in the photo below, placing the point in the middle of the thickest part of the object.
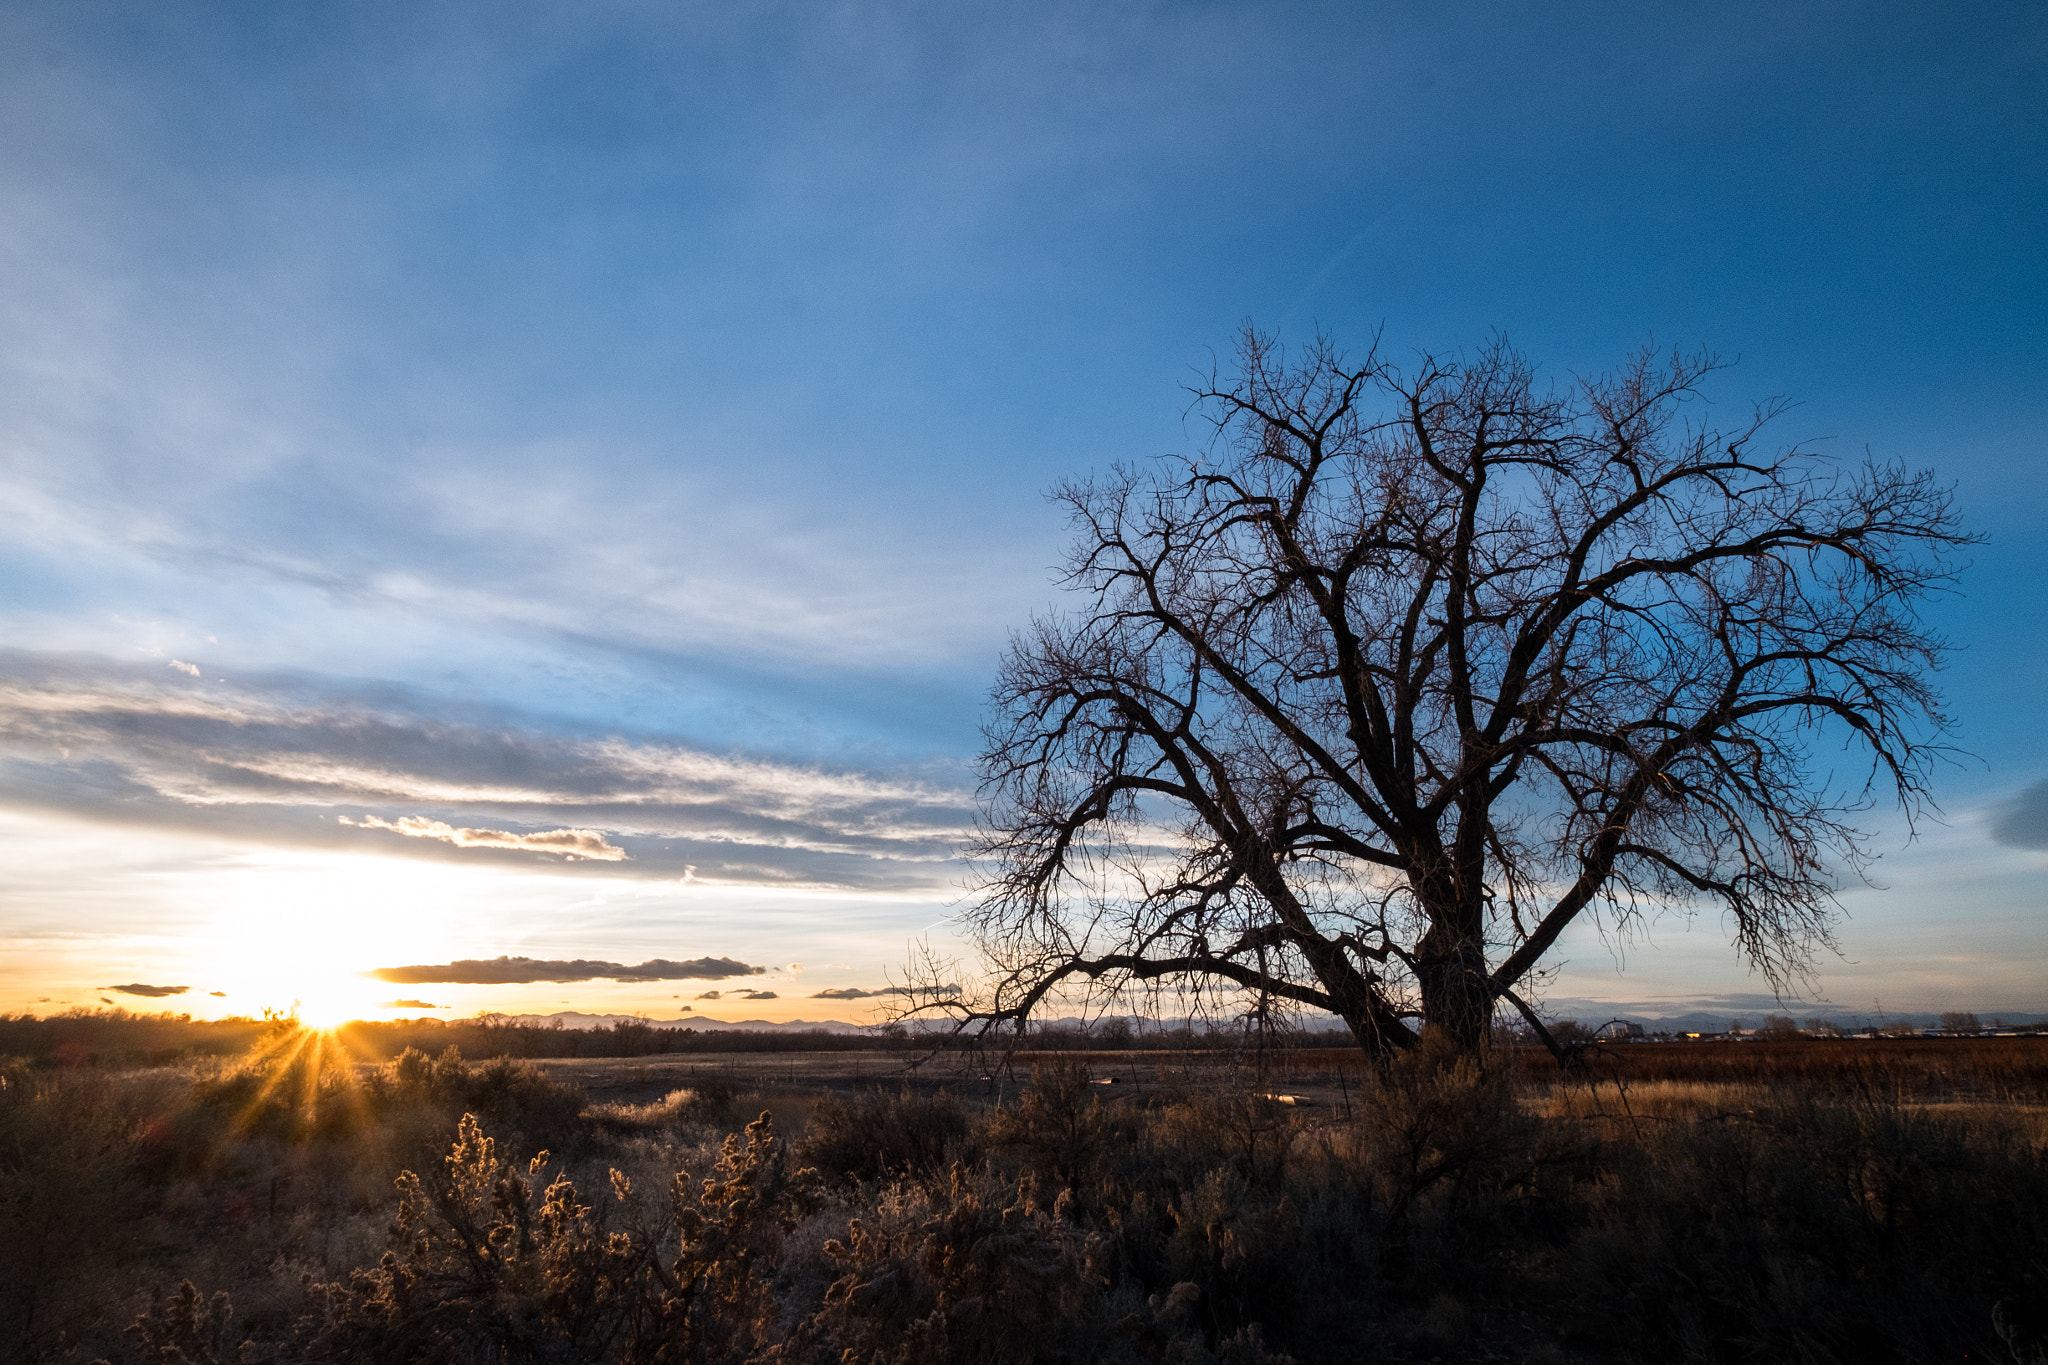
(1841, 1201)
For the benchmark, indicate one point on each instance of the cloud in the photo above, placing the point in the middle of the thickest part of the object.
(570, 843)
(138, 988)
(218, 995)
(757, 995)
(711, 995)
(857, 993)
(411, 1005)
(313, 761)
(512, 971)
(183, 667)
(2023, 823)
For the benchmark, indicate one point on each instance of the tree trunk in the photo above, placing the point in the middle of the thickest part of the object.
(1451, 970)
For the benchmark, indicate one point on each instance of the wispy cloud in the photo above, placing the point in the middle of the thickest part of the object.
(2023, 823)
(570, 843)
(297, 760)
(138, 988)
(509, 971)
(756, 995)
(412, 1005)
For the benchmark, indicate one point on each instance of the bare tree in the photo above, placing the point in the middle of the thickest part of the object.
(1411, 669)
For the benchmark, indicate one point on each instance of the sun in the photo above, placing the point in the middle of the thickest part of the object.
(320, 995)
(301, 937)
(330, 1008)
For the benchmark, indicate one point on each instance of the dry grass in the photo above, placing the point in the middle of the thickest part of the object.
(1462, 1210)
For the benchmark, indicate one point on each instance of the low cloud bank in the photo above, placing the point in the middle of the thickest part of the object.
(519, 971)
(857, 993)
(154, 992)
(411, 1005)
(570, 843)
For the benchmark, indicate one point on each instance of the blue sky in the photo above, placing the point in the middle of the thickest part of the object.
(635, 418)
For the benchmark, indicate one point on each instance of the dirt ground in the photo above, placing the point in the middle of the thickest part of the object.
(1324, 1081)
(1310, 1082)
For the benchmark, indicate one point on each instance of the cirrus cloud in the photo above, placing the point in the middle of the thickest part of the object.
(570, 843)
(311, 761)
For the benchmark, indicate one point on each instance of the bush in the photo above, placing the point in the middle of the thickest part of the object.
(1058, 1127)
(68, 1163)
(486, 1263)
(877, 1135)
(514, 1096)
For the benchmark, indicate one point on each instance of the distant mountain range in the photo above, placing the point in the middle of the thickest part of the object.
(1854, 1023)
(1590, 1013)
(577, 1019)
(1593, 1013)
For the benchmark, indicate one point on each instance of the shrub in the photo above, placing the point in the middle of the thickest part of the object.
(981, 1270)
(513, 1096)
(67, 1177)
(876, 1135)
(184, 1329)
(487, 1263)
(1058, 1126)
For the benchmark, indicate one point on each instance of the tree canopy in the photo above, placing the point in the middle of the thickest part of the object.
(1414, 666)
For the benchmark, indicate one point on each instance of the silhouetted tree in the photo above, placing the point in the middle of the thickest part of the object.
(1413, 668)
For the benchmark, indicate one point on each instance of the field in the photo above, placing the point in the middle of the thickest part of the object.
(1871, 1200)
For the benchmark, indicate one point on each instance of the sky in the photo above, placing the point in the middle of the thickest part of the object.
(552, 483)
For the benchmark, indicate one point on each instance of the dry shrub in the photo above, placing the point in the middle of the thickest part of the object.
(1236, 1128)
(185, 1329)
(673, 1110)
(1632, 1102)
(67, 1177)
(1808, 1230)
(1058, 1128)
(487, 1264)
(720, 1303)
(876, 1135)
(516, 1097)
(484, 1262)
(984, 1269)
(1443, 1126)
